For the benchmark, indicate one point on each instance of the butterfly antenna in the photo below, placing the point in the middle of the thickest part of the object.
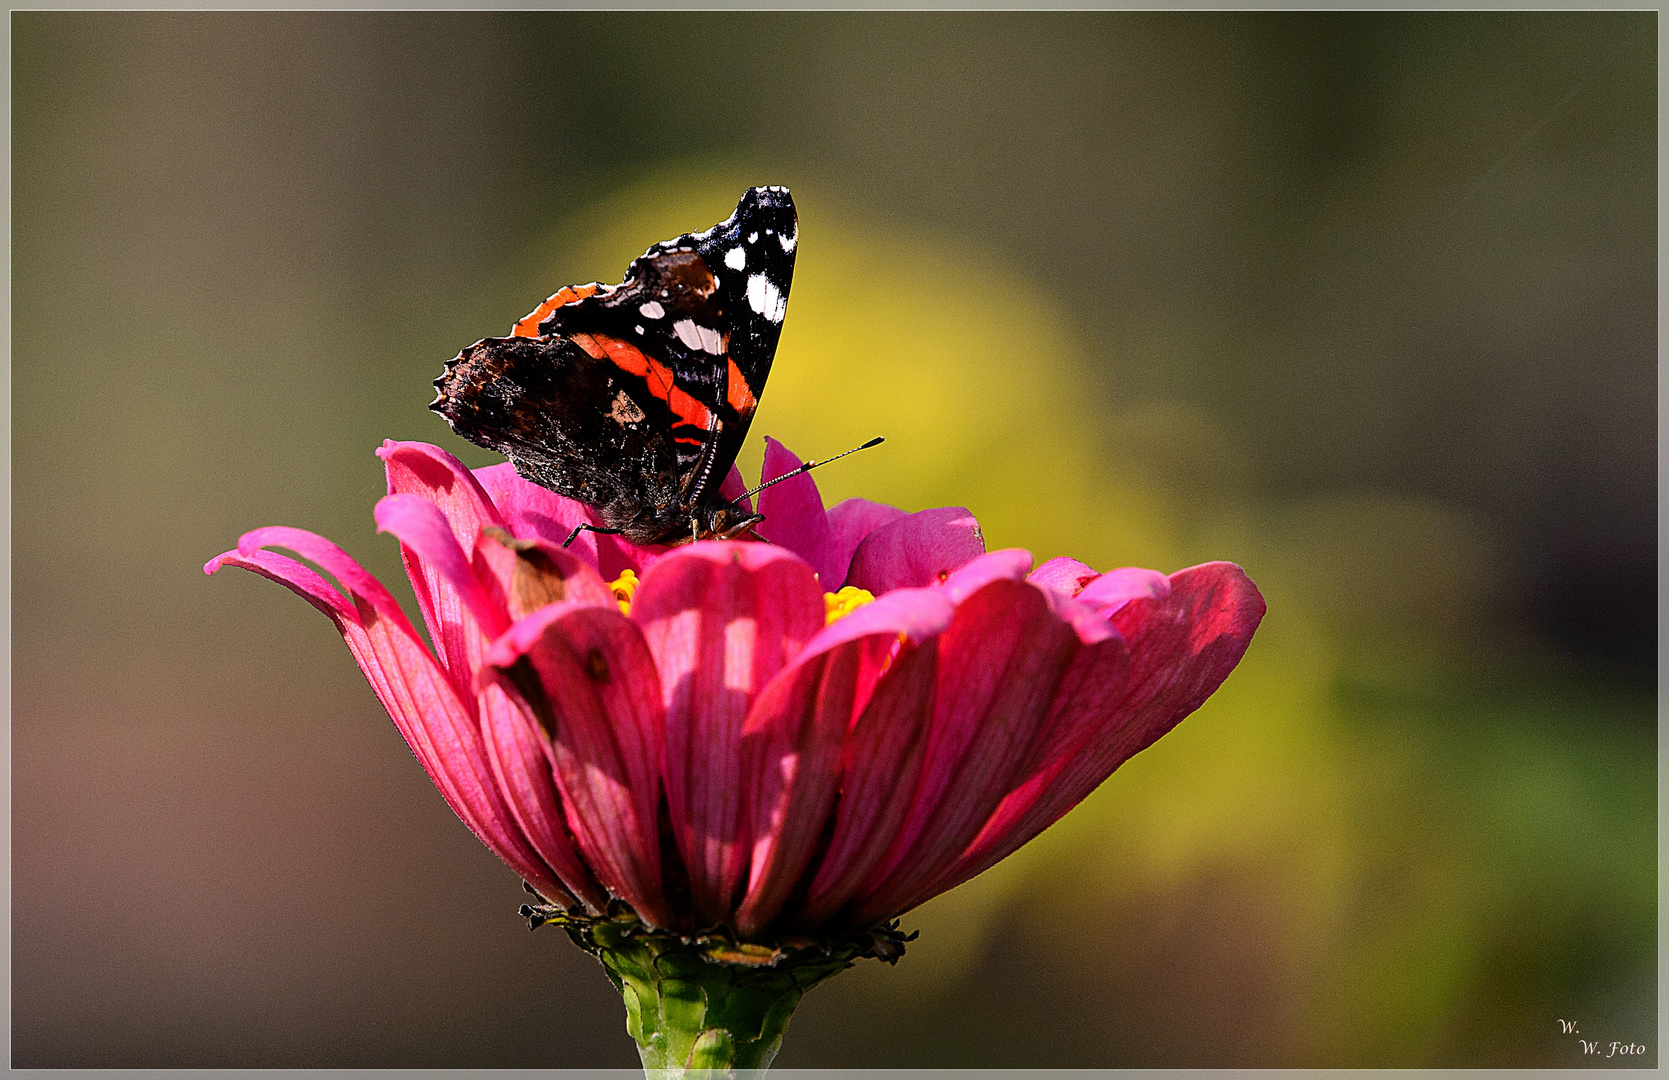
(810, 465)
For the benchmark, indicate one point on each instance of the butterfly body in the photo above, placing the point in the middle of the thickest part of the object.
(635, 398)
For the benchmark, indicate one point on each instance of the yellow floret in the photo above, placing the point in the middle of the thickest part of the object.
(835, 605)
(623, 587)
(844, 602)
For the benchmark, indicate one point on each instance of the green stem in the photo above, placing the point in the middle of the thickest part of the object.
(693, 1016)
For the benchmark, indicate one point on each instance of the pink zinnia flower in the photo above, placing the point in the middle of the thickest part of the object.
(741, 760)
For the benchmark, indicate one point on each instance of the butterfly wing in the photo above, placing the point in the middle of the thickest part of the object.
(567, 421)
(698, 317)
(636, 397)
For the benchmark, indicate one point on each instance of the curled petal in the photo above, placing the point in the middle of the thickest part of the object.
(1009, 564)
(1180, 649)
(1063, 575)
(1112, 590)
(794, 516)
(918, 549)
(437, 477)
(850, 521)
(336, 562)
(420, 699)
(587, 678)
(735, 489)
(299, 579)
(420, 473)
(721, 619)
(424, 532)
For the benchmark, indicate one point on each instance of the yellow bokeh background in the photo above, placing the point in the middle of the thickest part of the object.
(1371, 879)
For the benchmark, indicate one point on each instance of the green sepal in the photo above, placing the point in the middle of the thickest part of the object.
(708, 1005)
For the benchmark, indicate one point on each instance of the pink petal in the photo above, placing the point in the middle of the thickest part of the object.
(794, 516)
(794, 738)
(424, 473)
(912, 614)
(527, 574)
(1000, 661)
(1085, 621)
(417, 694)
(849, 522)
(425, 534)
(1181, 648)
(1112, 590)
(522, 766)
(296, 577)
(735, 489)
(588, 679)
(880, 763)
(530, 510)
(427, 471)
(1009, 564)
(915, 550)
(1097, 680)
(1063, 575)
(336, 562)
(720, 620)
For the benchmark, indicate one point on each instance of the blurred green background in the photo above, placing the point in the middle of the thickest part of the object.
(1365, 303)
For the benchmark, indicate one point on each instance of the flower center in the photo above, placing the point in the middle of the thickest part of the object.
(844, 602)
(623, 587)
(835, 604)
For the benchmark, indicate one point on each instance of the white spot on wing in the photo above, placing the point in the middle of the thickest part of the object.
(652, 310)
(688, 333)
(639, 329)
(735, 258)
(698, 337)
(765, 299)
(753, 237)
(788, 242)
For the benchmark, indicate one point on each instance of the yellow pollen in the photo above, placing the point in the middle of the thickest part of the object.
(844, 602)
(623, 587)
(835, 605)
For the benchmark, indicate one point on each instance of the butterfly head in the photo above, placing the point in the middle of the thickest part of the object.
(722, 521)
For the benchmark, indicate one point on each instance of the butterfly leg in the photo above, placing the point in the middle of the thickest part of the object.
(586, 526)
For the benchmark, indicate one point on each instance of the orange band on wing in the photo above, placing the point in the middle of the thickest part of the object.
(630, 359)
(528, 326)
(737, 392)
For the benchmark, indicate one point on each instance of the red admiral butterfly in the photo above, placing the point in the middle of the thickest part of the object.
(634, 398)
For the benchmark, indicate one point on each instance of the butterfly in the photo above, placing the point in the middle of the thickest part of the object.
(635, 398)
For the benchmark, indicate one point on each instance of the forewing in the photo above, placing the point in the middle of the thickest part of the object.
(698, 318)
